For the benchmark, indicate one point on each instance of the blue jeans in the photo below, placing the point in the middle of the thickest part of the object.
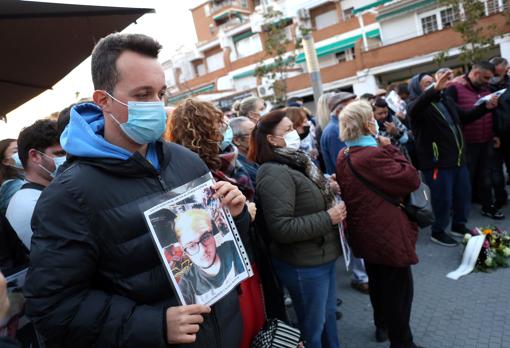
(451, 194)
(313, 293)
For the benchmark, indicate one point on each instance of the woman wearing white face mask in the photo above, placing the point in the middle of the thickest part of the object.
(297, 215)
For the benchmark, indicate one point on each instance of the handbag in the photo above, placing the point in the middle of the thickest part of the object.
(277, 334)
(417, 205)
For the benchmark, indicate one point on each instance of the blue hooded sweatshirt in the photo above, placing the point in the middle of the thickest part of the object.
(83, 136)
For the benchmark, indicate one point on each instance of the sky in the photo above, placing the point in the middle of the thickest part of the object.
(171, 25)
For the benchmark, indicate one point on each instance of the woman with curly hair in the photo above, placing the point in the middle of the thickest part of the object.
(201, 127)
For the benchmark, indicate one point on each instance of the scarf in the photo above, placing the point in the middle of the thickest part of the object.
(363, 141)
(233, 172)
(300, 161)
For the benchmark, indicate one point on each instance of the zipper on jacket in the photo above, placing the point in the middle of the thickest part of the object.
(460, 146)
(162, 183)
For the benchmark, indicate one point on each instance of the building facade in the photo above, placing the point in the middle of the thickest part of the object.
(361, 45)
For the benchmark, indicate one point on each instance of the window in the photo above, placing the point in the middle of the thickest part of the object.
(248, 46)
(345, 56)
(326, 19)
(348, 13)
(429, 24)
(492, 6)
(215, 61)
(448, 17)
(201, 69)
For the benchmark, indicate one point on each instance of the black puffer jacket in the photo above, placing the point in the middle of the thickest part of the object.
(96, 279)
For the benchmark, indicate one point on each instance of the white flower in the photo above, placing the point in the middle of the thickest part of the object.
(488, 261)
(467, 237)
(506, 251)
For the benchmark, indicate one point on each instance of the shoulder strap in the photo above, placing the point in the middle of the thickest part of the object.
(368, 184)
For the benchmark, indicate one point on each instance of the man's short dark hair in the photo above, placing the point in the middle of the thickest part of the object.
(498, 61)
(402, 88)
(484, 65)
(106, 52)
(41, 135)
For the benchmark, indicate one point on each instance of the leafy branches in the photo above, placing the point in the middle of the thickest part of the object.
(276, 44)
(477, 39)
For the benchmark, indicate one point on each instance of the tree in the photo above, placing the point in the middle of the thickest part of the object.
(275, 45)
(477, 39)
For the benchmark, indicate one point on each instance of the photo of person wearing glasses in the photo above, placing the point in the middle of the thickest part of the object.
(212, 266)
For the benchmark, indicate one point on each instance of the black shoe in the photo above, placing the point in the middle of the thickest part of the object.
(443, 239)
(339, 315)
(459, 231)
(338, 302)
(493, 213)
(381, 335)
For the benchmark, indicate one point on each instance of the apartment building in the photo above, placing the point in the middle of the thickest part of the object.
(361, 45)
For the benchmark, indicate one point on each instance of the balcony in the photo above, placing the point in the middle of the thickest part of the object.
(223, 10)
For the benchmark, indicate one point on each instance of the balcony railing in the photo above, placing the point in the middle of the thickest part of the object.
(218, 6)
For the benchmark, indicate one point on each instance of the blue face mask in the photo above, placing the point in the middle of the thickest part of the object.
(58, 162)
(228, 135)
(146, 121)
(17, 161)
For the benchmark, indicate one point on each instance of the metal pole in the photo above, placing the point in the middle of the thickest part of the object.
(312, 64)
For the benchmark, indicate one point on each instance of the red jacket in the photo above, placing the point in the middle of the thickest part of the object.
(466, 95)
(378, 231)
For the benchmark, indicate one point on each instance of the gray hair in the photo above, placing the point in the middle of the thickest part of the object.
(236, 125)
(442, 71)
(353, 119)
(499, 61)
(248, 104)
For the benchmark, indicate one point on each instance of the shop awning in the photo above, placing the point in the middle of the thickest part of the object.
(410, 7)
(339, 46)
(42, 42)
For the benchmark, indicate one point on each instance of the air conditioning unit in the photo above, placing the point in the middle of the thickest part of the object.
(265, 90)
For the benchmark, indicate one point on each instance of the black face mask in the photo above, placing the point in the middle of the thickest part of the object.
(305, 132)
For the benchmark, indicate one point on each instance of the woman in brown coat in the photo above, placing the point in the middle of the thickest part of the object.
(379, 231)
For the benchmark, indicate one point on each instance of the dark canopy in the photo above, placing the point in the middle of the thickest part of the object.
(42, 42)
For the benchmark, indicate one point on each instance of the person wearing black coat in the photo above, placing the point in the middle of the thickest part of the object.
(95, 277)
(501, 123)
(440, 150)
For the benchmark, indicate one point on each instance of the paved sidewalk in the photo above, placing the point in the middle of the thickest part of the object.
(472, 312)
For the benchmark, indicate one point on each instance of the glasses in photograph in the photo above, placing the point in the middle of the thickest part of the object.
(206, 239)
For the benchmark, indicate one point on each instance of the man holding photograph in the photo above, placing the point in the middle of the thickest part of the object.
(95, 277)
(213, 266)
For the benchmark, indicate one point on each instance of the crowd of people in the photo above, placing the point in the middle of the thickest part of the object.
(71, 193)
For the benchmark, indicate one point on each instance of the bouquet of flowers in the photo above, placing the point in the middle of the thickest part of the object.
(495, 250)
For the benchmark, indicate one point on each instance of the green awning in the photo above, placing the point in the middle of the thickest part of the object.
(408, 8)
(369, 6)
(242, 36)
(339, 46)
(244, 74)
(199, 90)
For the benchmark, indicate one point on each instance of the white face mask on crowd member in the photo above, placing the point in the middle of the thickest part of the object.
(292, 140)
